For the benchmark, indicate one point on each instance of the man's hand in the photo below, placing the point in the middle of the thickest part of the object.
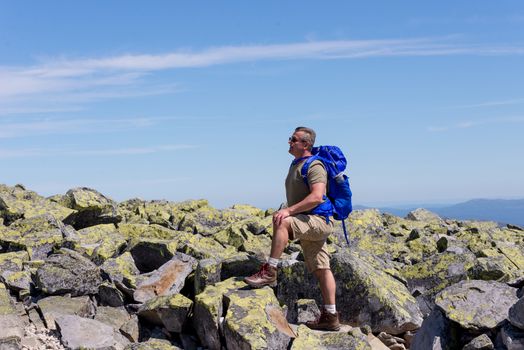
(280, 215)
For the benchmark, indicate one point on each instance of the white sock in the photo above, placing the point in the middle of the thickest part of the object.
(273, 262)
(332, 309)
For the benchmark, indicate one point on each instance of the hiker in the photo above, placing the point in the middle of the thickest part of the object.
(296, 223)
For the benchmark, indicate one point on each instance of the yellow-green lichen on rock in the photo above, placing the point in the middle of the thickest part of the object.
(6, 305)
(13, 260)
(255, 320)
(439, 271)
(373, 297)
(137, 232)
(17, 202)
(38, 235)
(122, 269)
(206, 247)
(99, 242)
(152, 344)
(205, 221)
(208, 309)
(310, 339)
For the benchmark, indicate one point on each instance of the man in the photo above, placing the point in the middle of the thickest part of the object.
(295, 223)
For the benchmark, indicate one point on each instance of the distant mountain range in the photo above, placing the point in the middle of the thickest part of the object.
(504, 211)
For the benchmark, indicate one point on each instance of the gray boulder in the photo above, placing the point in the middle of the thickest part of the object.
(92, 208)
(424, 215)
(373, 297)
(38, 235)
(168, 311)
(477, 305)
(11, 324)
(208, 272)
(167, 280)
(16, 202)
(352, 340)
(255, 320)
(434, 333)
(512, 337)
(68, 272)
(516, 314)
(55, 306)
(110, 295)
(209, 310)
(85, 333)
(307, 310)
(482, 342)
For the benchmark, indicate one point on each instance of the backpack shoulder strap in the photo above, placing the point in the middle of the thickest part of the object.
(305, 168)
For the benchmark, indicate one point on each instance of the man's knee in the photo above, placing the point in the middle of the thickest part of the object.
(285, 223)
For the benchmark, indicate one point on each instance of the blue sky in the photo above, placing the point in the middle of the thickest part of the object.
(177, 100)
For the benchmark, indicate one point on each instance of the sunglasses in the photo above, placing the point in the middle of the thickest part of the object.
(293, 139)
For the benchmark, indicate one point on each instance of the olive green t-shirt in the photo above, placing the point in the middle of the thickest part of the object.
(296, 188)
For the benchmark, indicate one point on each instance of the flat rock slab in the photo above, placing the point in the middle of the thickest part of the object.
(169, 279)
(318, 340)
(85, 333)
(68, 272)
(477, 305)
(255, 320)
(55, 306)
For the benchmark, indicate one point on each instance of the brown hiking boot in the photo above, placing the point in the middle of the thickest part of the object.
(266, 276)
(325, 322)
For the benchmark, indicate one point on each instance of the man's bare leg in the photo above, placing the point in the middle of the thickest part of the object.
(267, 276)
(328, 286)
(280, 238)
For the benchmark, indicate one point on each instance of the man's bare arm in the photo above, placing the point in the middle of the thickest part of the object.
(313, 199)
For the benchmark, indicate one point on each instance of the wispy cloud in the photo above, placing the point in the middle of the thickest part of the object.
(494, 103)
(36, 152)
(68, 126)
(471, 124)
(87, 79)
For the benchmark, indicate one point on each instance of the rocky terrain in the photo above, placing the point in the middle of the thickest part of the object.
(80, 271)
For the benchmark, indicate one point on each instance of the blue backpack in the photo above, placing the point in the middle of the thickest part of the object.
(338, 190)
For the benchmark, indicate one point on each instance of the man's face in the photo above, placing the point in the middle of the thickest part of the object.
(296, 144)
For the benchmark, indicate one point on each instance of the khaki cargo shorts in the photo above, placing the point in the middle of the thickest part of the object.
(312, 231)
